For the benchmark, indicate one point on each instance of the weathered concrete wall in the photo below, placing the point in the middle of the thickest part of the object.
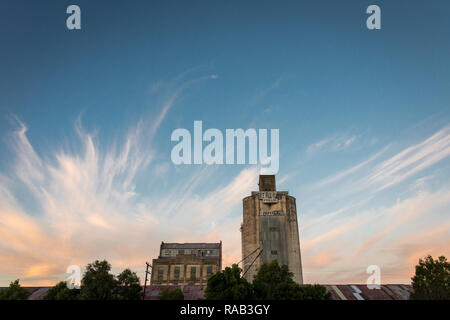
(272, 227)
(250, 235)
(293, 240)
(186, 263)
(273, 239)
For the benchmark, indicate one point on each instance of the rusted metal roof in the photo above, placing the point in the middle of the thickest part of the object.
(190, 292)
(362, 292)
(338, 292)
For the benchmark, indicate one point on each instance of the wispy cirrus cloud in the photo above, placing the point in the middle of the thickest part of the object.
(344, 173)
(380, 171)
(86, 205)
(91, 210)
(389, 237)
(365, 228)
(261, 94)
(332, 143)
(411, 160)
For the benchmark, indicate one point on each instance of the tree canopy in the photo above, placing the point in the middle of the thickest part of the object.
(128, 286)
(62, 292)
(97, 282)
(14, 292)
(432, 279)
(275, 282)
(272, 282)
(228, 285)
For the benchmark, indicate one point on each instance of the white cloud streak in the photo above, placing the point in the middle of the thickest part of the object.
(335, 142)
(87, 205)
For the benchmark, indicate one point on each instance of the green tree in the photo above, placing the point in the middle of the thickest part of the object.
(98, 283)
(275, 282)
(432, 279)
(128, 286)
(272, 282)
(168, 294)
(14, 292)
(61, 292)
(228, 284)
(314, 292)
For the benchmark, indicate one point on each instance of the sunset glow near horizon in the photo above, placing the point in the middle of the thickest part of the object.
(87, 116)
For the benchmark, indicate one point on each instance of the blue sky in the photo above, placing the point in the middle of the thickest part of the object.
(86, 118)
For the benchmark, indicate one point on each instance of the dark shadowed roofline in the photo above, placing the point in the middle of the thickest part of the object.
(200, 245)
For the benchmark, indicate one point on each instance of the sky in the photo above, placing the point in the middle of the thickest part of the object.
(86, 118)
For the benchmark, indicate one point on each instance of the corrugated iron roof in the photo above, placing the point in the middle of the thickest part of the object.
(338, 292)
(190, 292)
(362, 292)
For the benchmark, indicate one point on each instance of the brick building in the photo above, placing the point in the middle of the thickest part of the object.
(186, 263)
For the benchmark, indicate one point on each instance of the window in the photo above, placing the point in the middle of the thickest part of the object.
(274, 252)
(208, 271)
(193, 272)
(176, 273)
(160, 273)
(180, 251)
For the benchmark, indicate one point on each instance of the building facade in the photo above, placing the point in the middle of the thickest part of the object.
(269, 230)
(186, 263)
